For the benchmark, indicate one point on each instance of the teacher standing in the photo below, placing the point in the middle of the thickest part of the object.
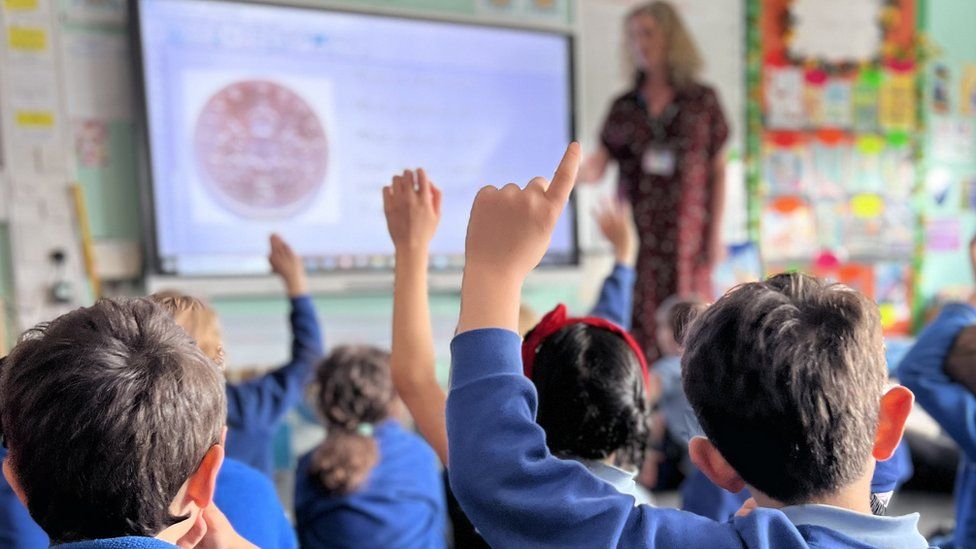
(666, 135)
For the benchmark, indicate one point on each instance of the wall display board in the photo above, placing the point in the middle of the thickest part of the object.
(835, 146)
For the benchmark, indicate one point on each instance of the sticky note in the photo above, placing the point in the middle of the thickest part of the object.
(34, 119)
(32, 39)
(870, 144)
(889, 315)
(867, 206)
(896, 102)
(20, 5)
(871, 78)
(897, 138)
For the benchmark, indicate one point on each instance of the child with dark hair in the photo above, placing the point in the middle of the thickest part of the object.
(804, 443)
(256, 408)
(370, 483)
(246, 497)
(590, 375)
(939, 369)
(114, 424)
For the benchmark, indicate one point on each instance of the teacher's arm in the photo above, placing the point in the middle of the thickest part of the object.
(595, 166)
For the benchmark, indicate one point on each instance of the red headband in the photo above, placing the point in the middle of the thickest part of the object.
(556, 320)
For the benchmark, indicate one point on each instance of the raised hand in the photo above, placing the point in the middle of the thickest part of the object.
(508, 234)
(413, 209)
(288, 265)
(615, 220)
(510, 227)
(412, 205)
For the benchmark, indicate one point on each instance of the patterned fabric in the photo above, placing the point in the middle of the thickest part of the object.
(671, 211)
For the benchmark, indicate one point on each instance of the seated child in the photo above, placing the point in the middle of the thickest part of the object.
(371, 483)
(804, 443)
(941, 370)
(673, 318)
(700, 495)
(255, 408)
(114, 420)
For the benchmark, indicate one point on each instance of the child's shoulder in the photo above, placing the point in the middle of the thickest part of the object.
(395, 439)
(236, 478)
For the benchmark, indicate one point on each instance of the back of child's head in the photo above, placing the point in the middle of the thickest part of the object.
(786, 378)
(197, 318)
(960, 364)
(355, 392)
(592, 399)
(107, 411)
(673, 317)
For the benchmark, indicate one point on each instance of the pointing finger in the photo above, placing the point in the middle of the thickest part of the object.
(565, 177)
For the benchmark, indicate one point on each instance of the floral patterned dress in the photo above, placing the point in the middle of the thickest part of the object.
(666, 173)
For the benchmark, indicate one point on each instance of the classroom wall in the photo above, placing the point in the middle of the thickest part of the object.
(6, 291)
(948, 202)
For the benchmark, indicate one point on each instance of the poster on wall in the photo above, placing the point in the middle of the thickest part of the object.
(843, 183)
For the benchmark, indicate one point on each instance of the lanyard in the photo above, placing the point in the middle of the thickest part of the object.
(658, 124)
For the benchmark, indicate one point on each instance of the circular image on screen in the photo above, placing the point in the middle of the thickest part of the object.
(261, 149)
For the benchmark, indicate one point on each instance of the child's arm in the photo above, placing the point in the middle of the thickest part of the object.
(617, 293)
(413, 209)
(263, 401)
(515, 492)
(949, 403)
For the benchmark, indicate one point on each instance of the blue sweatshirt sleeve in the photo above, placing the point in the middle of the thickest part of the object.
(263, 401)
(616, 296)
(519, 495)
(952, 405)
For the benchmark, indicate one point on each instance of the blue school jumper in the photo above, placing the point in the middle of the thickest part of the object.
(952, 405)
(616, 296)
(255, 408)
(250, 502)
(519, 495)
(17, 529)
(401, 504)
(129, 542)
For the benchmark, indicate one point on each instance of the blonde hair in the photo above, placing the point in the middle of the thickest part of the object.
(197, 318)
(684, 59)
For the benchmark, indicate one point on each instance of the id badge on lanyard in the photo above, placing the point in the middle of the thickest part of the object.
(659, 159)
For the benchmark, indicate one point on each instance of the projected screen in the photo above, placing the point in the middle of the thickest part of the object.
(282, 119)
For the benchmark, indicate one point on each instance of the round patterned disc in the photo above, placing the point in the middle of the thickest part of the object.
(261, 149)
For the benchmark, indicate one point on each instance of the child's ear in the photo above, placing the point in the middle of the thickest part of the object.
(896, 404)
(710, 462)
(202, 484)
(8, 474)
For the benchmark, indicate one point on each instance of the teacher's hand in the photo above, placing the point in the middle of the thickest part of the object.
(594, 167)
(715, 252)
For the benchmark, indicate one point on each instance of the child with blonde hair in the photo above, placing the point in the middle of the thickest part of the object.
(255, 408)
